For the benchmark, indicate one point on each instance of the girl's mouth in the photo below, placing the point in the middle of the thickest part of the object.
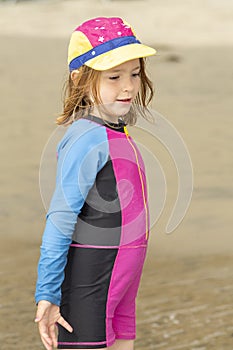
(125, 100)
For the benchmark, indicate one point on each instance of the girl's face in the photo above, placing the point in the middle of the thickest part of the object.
(118, 87)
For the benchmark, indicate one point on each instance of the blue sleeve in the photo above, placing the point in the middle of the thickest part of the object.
(80, 158)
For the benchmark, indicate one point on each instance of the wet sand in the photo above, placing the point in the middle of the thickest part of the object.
(185, 302)
(186, 296)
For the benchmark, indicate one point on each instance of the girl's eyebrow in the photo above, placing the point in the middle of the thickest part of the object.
(119, 70)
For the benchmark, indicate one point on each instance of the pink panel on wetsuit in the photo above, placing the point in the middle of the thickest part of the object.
(126, 275)
(128, 185)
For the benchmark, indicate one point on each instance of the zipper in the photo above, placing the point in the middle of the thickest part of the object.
(140, 175)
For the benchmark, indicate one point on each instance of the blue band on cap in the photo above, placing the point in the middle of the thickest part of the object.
(102, 48)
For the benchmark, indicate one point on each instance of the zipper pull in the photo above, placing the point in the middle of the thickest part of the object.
(125, 130)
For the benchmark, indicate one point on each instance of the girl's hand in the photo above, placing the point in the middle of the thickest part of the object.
(47, 316)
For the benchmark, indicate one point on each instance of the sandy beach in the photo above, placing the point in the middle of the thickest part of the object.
(186, 296)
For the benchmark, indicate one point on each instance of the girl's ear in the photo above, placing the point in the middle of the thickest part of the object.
(74, 75)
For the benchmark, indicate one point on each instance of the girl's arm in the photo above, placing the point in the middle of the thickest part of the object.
(80, 158)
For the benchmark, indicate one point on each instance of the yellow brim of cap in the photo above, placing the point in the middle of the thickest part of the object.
(120, 55)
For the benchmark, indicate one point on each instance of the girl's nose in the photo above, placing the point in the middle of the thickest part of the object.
(128, 85)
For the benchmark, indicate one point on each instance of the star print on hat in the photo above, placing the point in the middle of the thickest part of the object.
(103, 43)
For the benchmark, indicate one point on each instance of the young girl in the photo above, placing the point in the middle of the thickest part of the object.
(97, 226)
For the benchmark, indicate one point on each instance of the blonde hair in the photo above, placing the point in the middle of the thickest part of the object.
(77, 102)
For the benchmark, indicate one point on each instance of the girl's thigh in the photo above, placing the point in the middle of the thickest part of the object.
(118, 345)
(121, 344)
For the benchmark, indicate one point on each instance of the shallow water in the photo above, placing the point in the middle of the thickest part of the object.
(183, 303)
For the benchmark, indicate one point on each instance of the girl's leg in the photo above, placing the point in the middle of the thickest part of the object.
(119, 344)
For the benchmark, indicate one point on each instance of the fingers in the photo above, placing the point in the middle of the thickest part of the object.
(52, 333)
(46, 340)
(47, 316)
(46, 343)
(65, 324)
(39, 315)
(42, 320)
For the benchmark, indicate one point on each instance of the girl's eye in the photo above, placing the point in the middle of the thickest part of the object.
(114, 78)
(136, 74)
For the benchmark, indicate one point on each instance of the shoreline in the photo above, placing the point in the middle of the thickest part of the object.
(169, 24)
